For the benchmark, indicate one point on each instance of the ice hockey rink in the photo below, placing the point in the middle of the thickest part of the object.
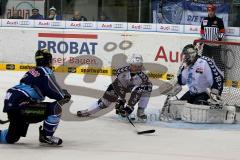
(110, 137)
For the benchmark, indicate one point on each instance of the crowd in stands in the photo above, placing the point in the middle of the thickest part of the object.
(52, 15)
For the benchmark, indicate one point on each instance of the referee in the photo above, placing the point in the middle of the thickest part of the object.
(212, 29)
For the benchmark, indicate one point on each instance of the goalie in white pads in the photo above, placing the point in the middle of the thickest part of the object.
(130, 79)
(199, 74)
(198, 105)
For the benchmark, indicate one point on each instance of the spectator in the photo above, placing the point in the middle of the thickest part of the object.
(35, 14)
(77, 17)
(102, 17)
(212, 29)
(15, 15)
(53, 14)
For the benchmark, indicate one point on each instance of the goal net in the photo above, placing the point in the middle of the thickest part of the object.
(227, 57)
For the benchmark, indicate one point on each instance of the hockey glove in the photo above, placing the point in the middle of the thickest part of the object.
(120, 105)
(66, 99)
(215, 98)
(127, 111)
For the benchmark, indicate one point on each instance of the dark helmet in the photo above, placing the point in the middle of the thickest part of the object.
(43, 58)
(190, 54)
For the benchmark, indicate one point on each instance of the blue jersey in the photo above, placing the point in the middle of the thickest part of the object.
(35, 85)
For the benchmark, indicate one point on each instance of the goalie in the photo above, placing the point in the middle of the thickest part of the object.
(202, 102)
(199, 74)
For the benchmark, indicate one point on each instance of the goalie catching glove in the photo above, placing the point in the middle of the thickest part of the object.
(215, 98)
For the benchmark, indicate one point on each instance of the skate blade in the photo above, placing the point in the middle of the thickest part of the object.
(50, 145)
(138, 120)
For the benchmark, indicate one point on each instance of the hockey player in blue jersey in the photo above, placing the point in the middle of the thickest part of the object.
(199, 74)
(24, 103)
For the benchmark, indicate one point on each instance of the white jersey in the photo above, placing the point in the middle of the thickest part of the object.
(202, 75)
(128, 79)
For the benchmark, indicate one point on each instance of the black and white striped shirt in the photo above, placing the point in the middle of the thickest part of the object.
(212, 29)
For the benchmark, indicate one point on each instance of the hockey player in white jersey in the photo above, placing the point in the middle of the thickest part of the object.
(130, 79)
(202, 103)
(199, 74)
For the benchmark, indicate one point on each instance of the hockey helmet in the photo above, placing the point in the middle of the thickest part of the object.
(135, 62)
(136, 59)
(190, 54)
(43, 58)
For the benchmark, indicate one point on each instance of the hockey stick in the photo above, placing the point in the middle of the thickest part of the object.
(164, 113)
(140, 132)
(3, 122)
(171, 92)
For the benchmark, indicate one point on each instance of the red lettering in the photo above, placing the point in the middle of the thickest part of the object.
(71, 60)
(171, 57)
(159, 56)
(87, 61)
(106, 25)
(76, 24)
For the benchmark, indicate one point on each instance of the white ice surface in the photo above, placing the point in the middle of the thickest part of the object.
(110, 138)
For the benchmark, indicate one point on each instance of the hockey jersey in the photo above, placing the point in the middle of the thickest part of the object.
(202, 75)
(129, 80)
(35, 85)
(212, 28)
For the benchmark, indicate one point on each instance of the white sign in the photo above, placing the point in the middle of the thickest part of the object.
(49, 24)
(170, 28)
(192, 29)
(93, 47)
(81, 25)
(112, 26)
(232, 31)
(146, 27)
(17, 23)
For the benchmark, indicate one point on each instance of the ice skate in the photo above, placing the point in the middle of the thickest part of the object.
(50, 140)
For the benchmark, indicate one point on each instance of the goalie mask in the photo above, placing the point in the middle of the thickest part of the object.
(190, 54)
(136, 62)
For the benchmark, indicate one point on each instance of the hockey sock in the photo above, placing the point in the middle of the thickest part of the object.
(50, 124)
(3, 135)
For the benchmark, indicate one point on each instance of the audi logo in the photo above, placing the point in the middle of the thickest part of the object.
(88, 25)
(147, 27)
(55, 24)
(175, 28)
(24, 23)
(118, 25)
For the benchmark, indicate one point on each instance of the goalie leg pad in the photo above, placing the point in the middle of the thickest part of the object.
(208, 114)
(175, 108)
